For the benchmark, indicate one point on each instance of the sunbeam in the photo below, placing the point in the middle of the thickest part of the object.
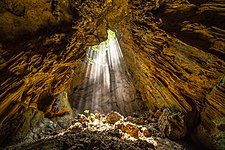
(106, 86)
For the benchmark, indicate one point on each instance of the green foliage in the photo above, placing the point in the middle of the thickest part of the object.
(95, 48)
(86, 111)
(104, 45)
(111, 34)
(90, 60)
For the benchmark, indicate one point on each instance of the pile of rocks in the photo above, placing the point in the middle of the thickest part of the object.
(140, 130)
(129, 127)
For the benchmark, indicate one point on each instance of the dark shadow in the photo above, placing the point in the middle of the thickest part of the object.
(85, 140)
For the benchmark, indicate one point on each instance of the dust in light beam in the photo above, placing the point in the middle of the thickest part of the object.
(106, 85)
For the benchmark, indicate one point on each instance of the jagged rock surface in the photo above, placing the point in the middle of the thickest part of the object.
(173, 124)
(93, 132)
(174, 51)
(21, 18)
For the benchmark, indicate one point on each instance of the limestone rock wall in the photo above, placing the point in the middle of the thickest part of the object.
(25, 17)
(174, 51)
(35, 72)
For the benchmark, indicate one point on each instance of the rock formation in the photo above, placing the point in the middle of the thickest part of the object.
(174, 51)
(94, 132)
(173, 124)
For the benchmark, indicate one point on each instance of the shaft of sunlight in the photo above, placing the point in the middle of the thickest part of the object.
(106, 86)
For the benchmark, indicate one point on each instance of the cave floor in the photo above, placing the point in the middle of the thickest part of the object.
(99, 131)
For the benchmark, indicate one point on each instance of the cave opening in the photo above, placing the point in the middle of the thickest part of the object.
(106, 86)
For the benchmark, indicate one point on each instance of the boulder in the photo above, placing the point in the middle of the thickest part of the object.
(128, 128)
(113, 117)
(146, 132)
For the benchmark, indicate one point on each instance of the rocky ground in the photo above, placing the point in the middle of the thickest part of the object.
(99, 131)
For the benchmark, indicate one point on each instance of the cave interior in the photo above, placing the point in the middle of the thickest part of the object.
(113, 74)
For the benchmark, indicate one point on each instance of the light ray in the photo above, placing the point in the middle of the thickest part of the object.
(106, 85)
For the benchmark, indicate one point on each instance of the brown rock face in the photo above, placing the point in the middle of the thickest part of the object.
(173, 124)
(212, 125)
(174, 51)
(21, 18)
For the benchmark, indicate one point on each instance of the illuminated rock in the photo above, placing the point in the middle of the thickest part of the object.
(113, 117)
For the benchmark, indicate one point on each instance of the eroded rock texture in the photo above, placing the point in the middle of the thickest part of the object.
(101, 131)
(23, 17)
(173, 124)
(174, 51)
